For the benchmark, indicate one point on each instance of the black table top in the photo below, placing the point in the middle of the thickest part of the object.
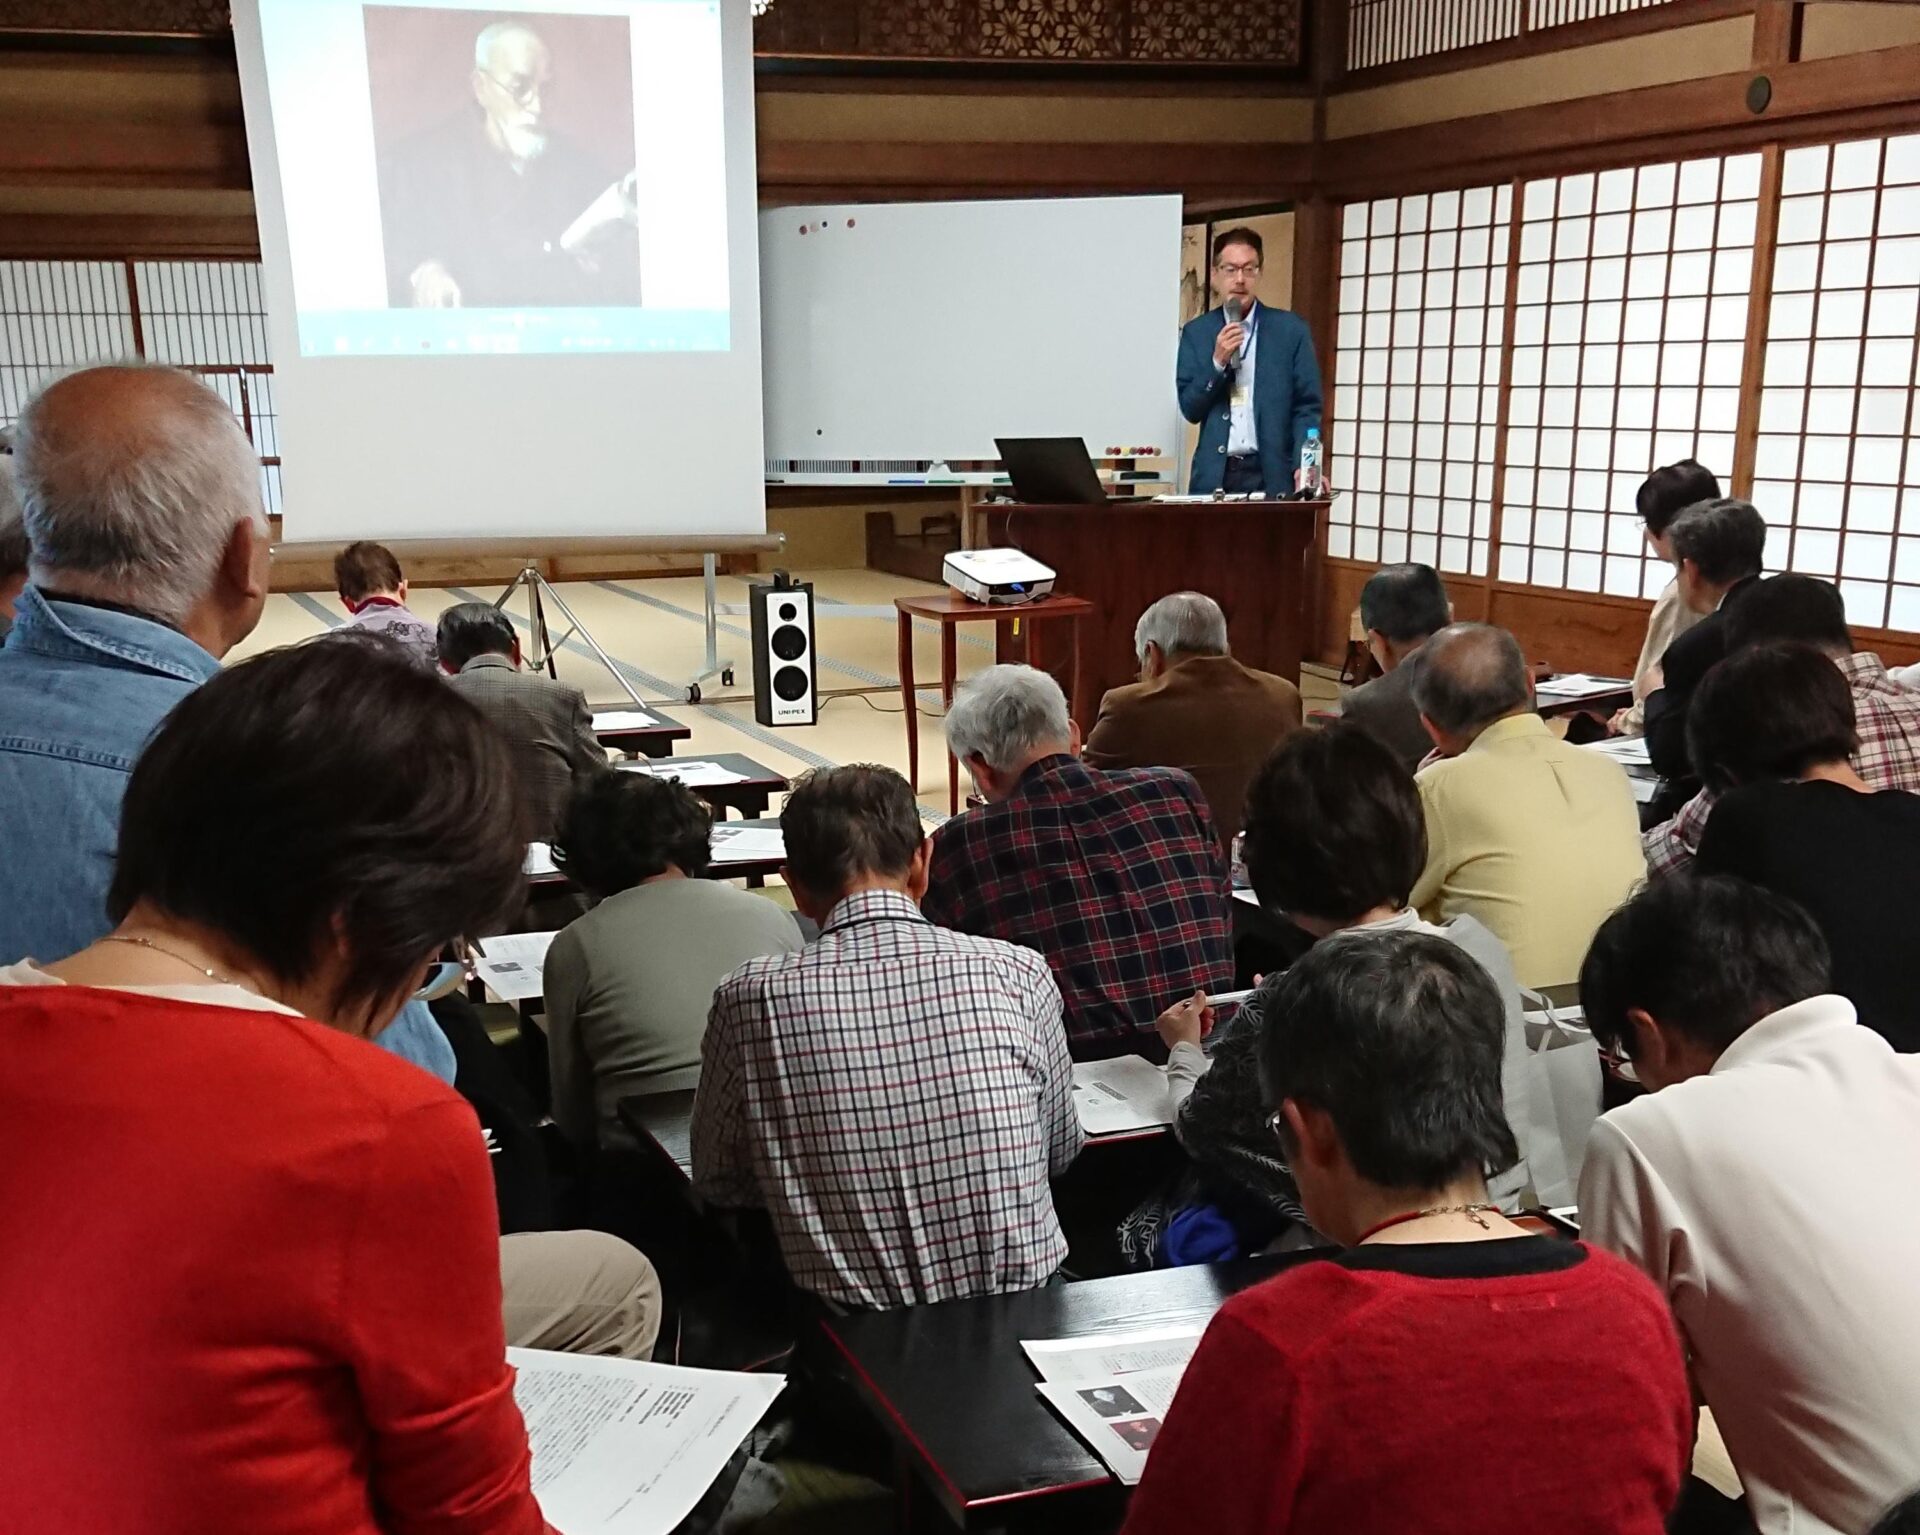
(663, 1122)
(757, 774)
(739, 868)
(952, 1387)
(662, 728)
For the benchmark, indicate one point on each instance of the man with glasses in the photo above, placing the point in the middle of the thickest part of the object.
(496, 209)
(1247, 377)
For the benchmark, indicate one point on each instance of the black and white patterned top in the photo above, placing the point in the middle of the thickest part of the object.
(896, 1097)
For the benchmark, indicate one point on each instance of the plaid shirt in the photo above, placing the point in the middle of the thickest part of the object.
(1887, 717)
(1115, 876)
(896, 1098)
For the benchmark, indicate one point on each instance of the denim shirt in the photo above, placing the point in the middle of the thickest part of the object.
(81, 691)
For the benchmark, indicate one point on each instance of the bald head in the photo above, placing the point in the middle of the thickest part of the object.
(139, 487)
(1466, 677)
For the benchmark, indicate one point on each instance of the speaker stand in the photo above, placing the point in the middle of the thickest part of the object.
(539, 593)
(715, 667)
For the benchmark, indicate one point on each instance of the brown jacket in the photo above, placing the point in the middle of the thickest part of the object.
(1210, 715)
(549, 726)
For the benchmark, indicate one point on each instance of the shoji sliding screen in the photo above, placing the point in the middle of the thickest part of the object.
(1628, 339)
(1416, 377)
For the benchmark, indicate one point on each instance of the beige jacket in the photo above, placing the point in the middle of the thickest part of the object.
(1670, 619)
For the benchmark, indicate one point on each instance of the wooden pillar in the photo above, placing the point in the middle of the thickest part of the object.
(1509, 307)
(1776, 33)
(1746, 439)
(1316, 299)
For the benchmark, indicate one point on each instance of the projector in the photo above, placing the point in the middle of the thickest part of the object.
(997, 575)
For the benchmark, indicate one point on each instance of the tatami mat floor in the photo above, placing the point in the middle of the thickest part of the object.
(655, 630)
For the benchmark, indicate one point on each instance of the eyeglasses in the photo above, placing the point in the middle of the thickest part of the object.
(1250, 269)
(523, 96)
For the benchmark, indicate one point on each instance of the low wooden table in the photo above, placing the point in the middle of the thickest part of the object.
(950, 1386)
(749, 797)
(655, 740)
(949, 610)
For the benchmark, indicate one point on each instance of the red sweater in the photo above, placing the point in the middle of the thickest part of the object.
(1538, 1385)
(249, 1281)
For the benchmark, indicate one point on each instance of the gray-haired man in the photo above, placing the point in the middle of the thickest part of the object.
(1116, 877)
(149, 563)
(1195, 707)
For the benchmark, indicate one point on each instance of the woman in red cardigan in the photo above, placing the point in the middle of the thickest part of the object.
(250, 1274)
(1446, 1372)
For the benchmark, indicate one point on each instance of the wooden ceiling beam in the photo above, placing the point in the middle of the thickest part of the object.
(1853, 93)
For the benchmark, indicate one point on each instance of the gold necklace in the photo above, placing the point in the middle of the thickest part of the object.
(1476, 1213)
(207, 970)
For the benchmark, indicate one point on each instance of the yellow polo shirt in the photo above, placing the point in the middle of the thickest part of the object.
(1537, 839)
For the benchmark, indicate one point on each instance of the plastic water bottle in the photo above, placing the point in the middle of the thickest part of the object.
(1310, 478)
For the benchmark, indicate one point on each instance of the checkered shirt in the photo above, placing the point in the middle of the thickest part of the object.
(1887, 717)
(1115, 876)
(896, 1097)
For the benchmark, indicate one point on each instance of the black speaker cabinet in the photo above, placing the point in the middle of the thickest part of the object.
(785, 689)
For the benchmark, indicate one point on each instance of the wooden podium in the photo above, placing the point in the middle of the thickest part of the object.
(1257, 559)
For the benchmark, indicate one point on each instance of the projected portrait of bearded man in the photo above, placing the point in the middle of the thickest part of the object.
(493, 208)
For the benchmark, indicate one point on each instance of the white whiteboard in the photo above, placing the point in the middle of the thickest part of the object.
(926, 330)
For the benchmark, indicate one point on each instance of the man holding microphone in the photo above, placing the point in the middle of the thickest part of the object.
(1248, 378)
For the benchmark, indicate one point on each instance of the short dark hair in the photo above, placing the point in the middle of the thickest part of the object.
(621, 828)
(361, 569)
(1470, 674)
(1334, 826)
(1669, 491)
(1770, 712)
(1726, 539)
(1405, 602)
(1239, 235)
(1705, 954)
(469, 629)
(1790, 607)
(842, 822)
(331, 788)
(1398, 1037)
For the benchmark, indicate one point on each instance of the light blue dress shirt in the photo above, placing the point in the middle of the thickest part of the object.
(1242, 436)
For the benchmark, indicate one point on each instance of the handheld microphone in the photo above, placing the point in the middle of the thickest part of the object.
(1235, 314)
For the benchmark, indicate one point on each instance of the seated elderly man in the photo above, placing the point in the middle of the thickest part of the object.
(548, 722)
(147, 545)
(1536, 838)
(1195, 708)
(1401, 607)
(895, 1097)
(148, 549)
(1116, 877)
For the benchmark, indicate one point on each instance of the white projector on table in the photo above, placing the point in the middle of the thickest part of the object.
(997, 575)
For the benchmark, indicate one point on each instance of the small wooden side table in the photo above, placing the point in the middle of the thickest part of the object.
(949, 610)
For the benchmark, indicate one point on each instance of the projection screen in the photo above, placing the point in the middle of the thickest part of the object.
(511, 266)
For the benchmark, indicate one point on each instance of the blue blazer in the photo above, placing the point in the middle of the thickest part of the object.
(1286, 395)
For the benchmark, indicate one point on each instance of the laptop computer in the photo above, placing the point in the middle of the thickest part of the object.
(1051, 471)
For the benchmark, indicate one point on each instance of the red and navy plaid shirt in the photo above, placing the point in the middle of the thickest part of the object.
(1116, 877)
